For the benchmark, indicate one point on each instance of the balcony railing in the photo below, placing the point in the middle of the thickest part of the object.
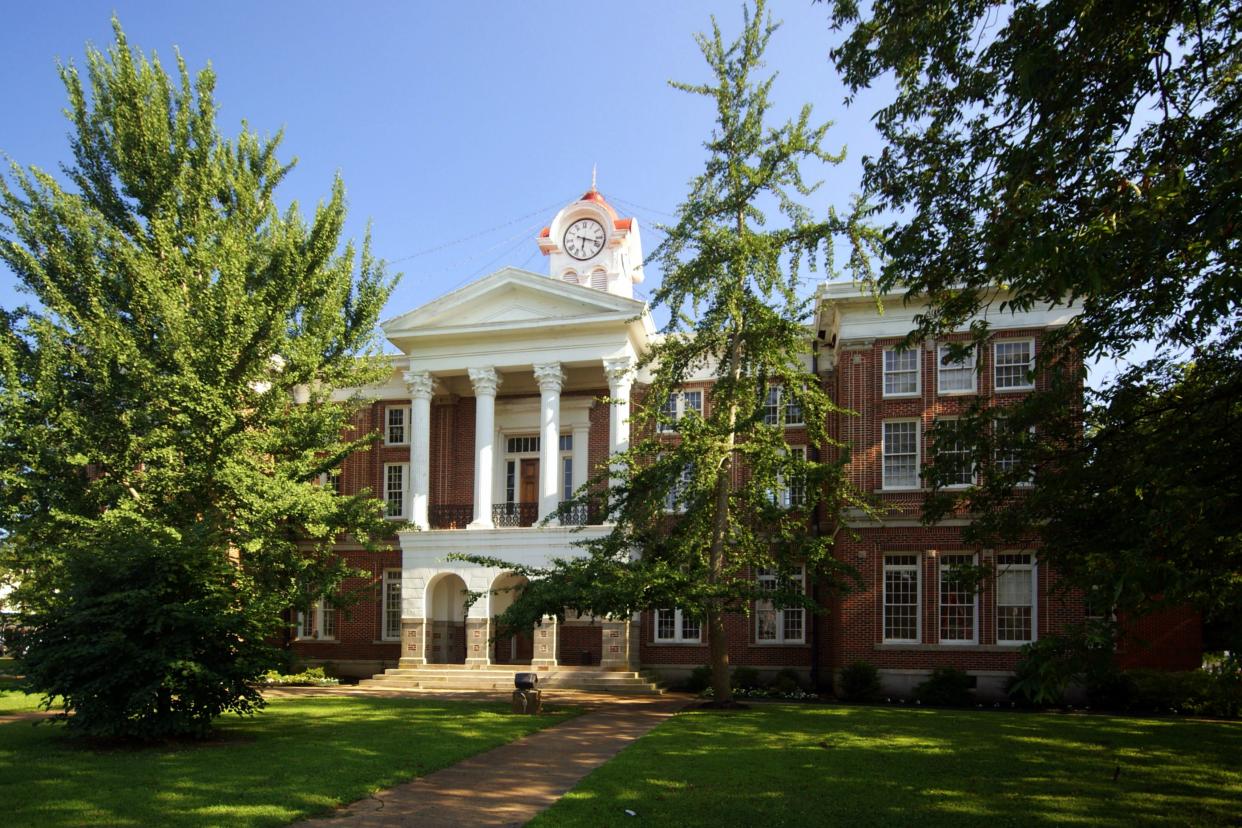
(450, 515)
(579, 514)
(515, 514)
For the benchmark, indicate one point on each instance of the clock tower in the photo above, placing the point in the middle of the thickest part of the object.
(587, 243)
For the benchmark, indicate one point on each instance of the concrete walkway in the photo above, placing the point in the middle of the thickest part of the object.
(508, 785)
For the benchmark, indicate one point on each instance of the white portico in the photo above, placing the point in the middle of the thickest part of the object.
(537, 353)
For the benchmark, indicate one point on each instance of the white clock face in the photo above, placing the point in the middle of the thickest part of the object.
(584, 238)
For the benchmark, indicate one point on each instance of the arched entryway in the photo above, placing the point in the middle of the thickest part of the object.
(446, 619)
(509, 647)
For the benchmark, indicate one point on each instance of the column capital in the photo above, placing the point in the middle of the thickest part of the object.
(618, 371)
(485, 381)
(550, 377)
(420, 384)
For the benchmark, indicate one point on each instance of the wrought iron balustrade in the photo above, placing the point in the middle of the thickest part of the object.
(579, 514)
(450, 515)
(515, 514)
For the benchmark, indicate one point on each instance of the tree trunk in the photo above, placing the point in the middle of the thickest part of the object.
(718, 654)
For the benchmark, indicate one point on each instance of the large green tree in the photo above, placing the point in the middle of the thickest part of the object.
(707, 500)
(165, 402)
(1068, 151)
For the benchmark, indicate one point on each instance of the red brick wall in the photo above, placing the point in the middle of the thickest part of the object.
(360, 625)
(1168, 639)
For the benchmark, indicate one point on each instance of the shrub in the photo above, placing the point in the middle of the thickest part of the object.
(746, 678)
(1111, 690)
(860, 681)
(700, 679)
(947, 687)
(787, 681)
(1049, 666)
(312, 677)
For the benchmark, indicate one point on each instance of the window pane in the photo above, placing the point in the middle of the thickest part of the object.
(957, 600)
(955, 453)
(567, 442)
(567, 478)
(793, 411)
(901, 455)
(793, 624)
(392, 603)
(328, 625)
(394, 490)
(772, 407)
(765, 621)
(1013, 362)
(901, 372)
(665, 624)
(690, 629)
(692, 401)
(956, 375)
(901, 597)
(396, 425)
(1015, 591)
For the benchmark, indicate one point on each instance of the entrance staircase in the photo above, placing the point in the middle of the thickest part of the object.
(500, 677)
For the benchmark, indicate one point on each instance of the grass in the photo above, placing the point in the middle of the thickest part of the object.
(300, 757)
(818, 765)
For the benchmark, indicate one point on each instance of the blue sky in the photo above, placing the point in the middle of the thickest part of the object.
(445, 120)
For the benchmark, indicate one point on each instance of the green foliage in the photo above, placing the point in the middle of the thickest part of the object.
(1193, 692)
(700, 679)
(745, 678)
(860, 681)
(158, 483)
(310, 677)
(735, 287)
(1086, 153)
(787, 681)
(946, 687)
(1048, 667)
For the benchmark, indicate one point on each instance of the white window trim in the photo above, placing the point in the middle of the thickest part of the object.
(974, 372)
(918, 597)
(918, 455)
(784, 492)
(1022, 484)
(974, 470)
(678, 506)
(679, 410)
(385, 635)
(405, 484)
(405, 425)
(780, 639)
(1034, 567)
(952, 642)
(918, 374)
(677, 638)
(317, 635)
(1011, 389)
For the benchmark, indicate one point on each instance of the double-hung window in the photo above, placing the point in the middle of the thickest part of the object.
(901, 373)
(677, 406)
(672, 626)
(959, 602)
(955, 376)
(901, 454)
(1013, 361)
(1007, 454)
(954, 454)
(567, 466)
(779, 625)
(1015, 598)
(394, 489)
(318, 622)
(901, 598)
(396, 425)
(331, 480)
(674, 498)
(792, 492)
(392, 605)
(777, 404)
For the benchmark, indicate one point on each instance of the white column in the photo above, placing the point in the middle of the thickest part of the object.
(421, 386)
(582, 444)
(550, 378)
(620, 379)
(485, 382)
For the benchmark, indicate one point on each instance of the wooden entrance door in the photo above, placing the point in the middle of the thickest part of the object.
(529, 491)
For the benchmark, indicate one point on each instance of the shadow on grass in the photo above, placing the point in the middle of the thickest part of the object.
(883, 766)
(299, 757)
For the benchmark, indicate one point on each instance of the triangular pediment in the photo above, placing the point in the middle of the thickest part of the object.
(512, 298)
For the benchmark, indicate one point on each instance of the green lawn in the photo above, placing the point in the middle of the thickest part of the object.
(813, 765)
(300, 757)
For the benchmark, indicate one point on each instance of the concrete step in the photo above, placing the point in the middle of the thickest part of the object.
(497, 677)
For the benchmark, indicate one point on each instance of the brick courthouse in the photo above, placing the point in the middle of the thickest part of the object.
(493, 415)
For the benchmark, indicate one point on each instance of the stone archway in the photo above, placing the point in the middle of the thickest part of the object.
(446, 619)
(509, 647)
